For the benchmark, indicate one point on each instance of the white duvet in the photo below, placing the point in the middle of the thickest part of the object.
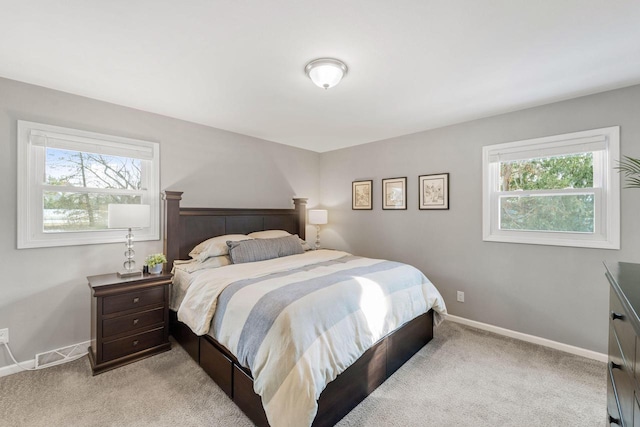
(297, 322)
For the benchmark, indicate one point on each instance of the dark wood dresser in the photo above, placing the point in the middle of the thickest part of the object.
(129, 319)
(623, 380)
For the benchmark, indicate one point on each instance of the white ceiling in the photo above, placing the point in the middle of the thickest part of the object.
(239, 65)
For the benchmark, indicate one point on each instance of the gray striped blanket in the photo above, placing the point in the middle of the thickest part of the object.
(299, 326)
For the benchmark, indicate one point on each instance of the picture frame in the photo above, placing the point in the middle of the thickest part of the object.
(361, 195)
(433, 191)
(394, 193)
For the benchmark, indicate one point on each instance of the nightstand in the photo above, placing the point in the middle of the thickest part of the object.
(129, 319)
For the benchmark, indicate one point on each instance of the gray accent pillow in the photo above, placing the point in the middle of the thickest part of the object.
(263, 249)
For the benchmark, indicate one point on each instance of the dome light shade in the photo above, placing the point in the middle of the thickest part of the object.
(326, 72)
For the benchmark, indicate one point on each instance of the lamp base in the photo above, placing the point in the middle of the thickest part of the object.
(132, 273)
(317, 246)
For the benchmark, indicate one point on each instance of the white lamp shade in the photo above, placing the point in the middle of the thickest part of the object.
(318, 216)
(129, 216)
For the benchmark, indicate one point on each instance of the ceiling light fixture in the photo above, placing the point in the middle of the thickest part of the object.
(326, 72)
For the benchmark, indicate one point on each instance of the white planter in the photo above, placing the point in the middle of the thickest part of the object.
(156, 269)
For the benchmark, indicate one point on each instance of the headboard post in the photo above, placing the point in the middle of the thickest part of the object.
(301, 209)
(172, 227)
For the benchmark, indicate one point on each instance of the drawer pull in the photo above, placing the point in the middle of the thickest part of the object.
(135, 343)
(615, 316)
(136, 300)
(613, 420)
(135, 321)
(615, 366)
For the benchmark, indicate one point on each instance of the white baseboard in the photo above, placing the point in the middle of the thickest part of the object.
(14, 369)
(530, 338)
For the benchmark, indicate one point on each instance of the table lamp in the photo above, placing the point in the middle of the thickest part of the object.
(129, 217)
(318, 217)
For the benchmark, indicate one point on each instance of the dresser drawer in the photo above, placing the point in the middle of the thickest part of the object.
(624, 330)
(622, 379)
(636, 370)
(133, 344)
(624, 391)
(132, 322)
(130, 300)
(613, 412)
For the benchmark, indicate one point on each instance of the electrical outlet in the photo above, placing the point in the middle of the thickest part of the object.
(460, 296)
(4, 336)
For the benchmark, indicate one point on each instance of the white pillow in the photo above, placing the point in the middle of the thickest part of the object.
(216, 246)
(305, 245)
(269, 234)
(193, 265)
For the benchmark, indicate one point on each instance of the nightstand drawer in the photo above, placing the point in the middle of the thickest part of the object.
(130, 300)
(123, 324)
(133, 344)
(129, 319)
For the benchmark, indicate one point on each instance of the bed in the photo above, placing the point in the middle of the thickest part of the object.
(187, 227)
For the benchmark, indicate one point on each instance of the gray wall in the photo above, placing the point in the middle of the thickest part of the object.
(44, 298)
(552, 292)
(558, 293)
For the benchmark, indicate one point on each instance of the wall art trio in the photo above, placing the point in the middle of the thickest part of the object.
(433, 193)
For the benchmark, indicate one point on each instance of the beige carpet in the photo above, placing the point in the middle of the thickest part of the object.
(464, 377)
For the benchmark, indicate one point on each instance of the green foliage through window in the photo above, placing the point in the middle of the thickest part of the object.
(571, 213)
(574, 171)
(548, 212)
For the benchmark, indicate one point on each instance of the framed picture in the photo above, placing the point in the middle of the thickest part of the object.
(434, 191)
(361, 195)
(394, 193)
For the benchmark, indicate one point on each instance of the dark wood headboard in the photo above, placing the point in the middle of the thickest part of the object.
(186, 227)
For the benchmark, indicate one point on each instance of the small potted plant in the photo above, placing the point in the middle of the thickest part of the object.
(154, 262)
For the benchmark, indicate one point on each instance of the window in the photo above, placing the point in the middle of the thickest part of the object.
(560, 190)
(67, 177)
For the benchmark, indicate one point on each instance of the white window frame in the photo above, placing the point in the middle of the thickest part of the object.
(32, 143)
(604, 143)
